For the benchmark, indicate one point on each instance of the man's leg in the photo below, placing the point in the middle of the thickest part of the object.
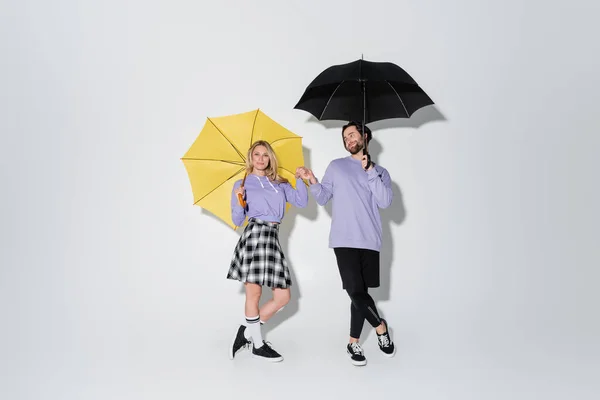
(365, 305)
(348, 261)
(354, 349)
(370, 273)
(357, 321)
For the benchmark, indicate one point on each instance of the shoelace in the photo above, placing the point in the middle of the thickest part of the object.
(356, 348)
(268, 344)
(384, 340)
(269, 347)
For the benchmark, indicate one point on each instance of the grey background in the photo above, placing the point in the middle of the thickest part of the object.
(112, 286)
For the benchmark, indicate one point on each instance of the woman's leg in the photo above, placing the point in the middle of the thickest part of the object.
(280, 298)
(253, 292)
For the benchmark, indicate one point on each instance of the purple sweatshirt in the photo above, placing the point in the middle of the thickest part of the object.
(265, 199)
(357, 196)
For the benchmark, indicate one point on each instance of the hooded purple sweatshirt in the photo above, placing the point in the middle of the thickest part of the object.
(266, 199)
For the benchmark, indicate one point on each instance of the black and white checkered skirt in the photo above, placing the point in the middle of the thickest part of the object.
(258, 257)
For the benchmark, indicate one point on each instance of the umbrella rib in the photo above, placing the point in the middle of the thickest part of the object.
(331, 97)
(225, 137)
(405, 110)
(218, 186)
(253, 125)
(213, 159)
(285, 138)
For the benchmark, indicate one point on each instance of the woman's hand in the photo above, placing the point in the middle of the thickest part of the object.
(240, 190)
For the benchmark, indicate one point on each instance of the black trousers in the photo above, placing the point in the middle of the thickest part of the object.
(359, 270)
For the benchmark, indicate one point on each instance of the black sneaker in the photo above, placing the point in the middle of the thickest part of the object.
(266, 352)
(385, 342)
(356, 354)
(239, 342)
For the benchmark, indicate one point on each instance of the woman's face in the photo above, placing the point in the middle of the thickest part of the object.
(260, 158)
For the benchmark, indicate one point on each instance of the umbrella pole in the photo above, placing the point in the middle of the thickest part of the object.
(364, 102)
(365, 150)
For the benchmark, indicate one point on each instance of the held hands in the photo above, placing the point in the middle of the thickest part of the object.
(306, 174)
(301, 173)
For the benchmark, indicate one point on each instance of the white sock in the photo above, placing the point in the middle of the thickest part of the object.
(247, 334)
(253, 329)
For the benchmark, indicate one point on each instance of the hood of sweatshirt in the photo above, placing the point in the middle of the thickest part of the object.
(261, 181)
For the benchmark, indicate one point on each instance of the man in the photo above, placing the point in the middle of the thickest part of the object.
(357, 188)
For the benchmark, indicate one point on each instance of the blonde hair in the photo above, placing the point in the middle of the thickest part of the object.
(271, 171)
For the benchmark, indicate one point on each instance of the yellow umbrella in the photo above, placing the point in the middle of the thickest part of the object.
(217, 158)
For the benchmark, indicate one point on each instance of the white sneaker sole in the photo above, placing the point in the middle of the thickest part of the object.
(273, 360)
(354, 362)
(389, 355)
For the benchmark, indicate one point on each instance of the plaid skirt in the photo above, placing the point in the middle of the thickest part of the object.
(258, 258)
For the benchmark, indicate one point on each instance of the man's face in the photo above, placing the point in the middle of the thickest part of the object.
(353, 140)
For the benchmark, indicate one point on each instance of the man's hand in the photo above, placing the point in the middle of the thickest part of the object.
(364, 163)
(306, 174)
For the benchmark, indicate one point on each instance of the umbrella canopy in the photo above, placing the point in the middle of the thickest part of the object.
(217, 158)
(364, 91)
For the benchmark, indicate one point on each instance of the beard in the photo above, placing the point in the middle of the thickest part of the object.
(359, 146)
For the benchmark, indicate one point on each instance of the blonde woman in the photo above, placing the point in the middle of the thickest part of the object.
(258, 259)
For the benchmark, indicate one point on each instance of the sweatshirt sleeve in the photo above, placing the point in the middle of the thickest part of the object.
(323, 191)
(238, 213)
(381, 186)
(297, 197)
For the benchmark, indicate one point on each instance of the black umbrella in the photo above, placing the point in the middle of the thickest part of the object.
(364, 91)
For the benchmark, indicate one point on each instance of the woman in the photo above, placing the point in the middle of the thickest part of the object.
(258, 259)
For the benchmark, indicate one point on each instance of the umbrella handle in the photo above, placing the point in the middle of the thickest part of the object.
(241, 200)
(365, 153)
(240, 197)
